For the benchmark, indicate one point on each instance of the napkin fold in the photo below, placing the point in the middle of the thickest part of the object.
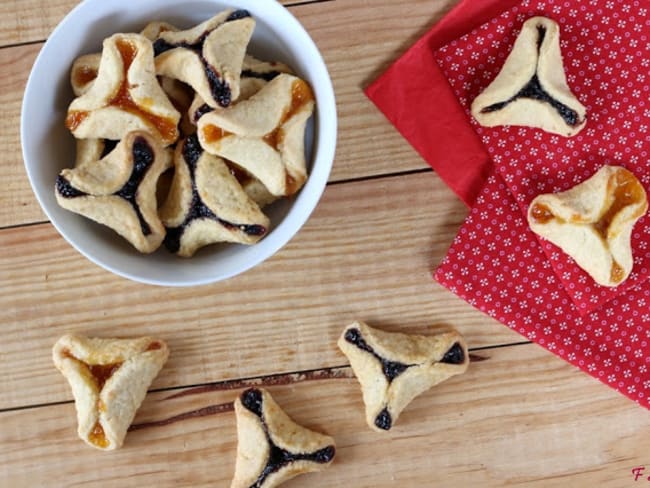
(495, 262)
(416, 97)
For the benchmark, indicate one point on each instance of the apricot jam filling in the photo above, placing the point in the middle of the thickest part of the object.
(166, 127)
(97, 436)
(100, 374)
(301, 94)
(541, 213)
(213, 134)
(84, 75)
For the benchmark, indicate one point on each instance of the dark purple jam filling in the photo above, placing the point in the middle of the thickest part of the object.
(218, 87)
(534, 90)
(384, 420)
(455, 355)
(192, 151)
(252, 400)
(262, 75)
(201, 111)
(541, 35)
(391, 369)
(278, 457)
(66, 190)
(238, 14)
(143, 157)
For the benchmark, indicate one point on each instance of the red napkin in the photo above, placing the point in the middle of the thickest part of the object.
(608, 65)
(416, 97)
(611, 344)
(494, 245)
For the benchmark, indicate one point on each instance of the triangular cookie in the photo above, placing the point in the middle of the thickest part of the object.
(85, 68)
(109, 379)
(271, 447)
(119, 191)
(592, 222)
(265, 134)
(393, 368)
(206, 203)
(254, 75)
(209, 56)
(531, 88)
(125, 95)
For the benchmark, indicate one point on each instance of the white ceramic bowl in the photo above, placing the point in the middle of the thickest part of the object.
(48, 147)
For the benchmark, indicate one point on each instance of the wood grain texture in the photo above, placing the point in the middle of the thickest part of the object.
(18, 204)
(519, 417)
(483, 428)
(33, 20)
(357, 42)
(30, 21)
(353, 260)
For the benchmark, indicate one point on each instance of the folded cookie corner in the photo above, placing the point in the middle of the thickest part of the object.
(531, 89)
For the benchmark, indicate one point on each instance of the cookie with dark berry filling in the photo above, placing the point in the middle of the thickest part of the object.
(119, 190)
(206, 203)
(271, 447)
(209, 56)
(393, 368)
(531, 88)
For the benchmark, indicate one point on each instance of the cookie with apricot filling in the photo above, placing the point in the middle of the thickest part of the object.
(125, 96)
(265, 133)
(593, 221)
(109, 379)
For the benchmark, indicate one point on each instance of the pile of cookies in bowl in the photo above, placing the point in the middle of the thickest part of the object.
(238, 150)
(185, 138)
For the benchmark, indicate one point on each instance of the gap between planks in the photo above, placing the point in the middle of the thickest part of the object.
(329, 183)
(278, 379)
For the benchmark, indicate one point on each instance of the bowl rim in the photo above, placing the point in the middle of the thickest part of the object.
(325, 130)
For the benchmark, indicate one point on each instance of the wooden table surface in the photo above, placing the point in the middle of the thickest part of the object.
(520, 417)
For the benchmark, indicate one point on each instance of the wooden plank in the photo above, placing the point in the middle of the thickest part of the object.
(484, 428)
(357, 43)
(33, 20)
(18, 204)
(353, 260)
(30, 20)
